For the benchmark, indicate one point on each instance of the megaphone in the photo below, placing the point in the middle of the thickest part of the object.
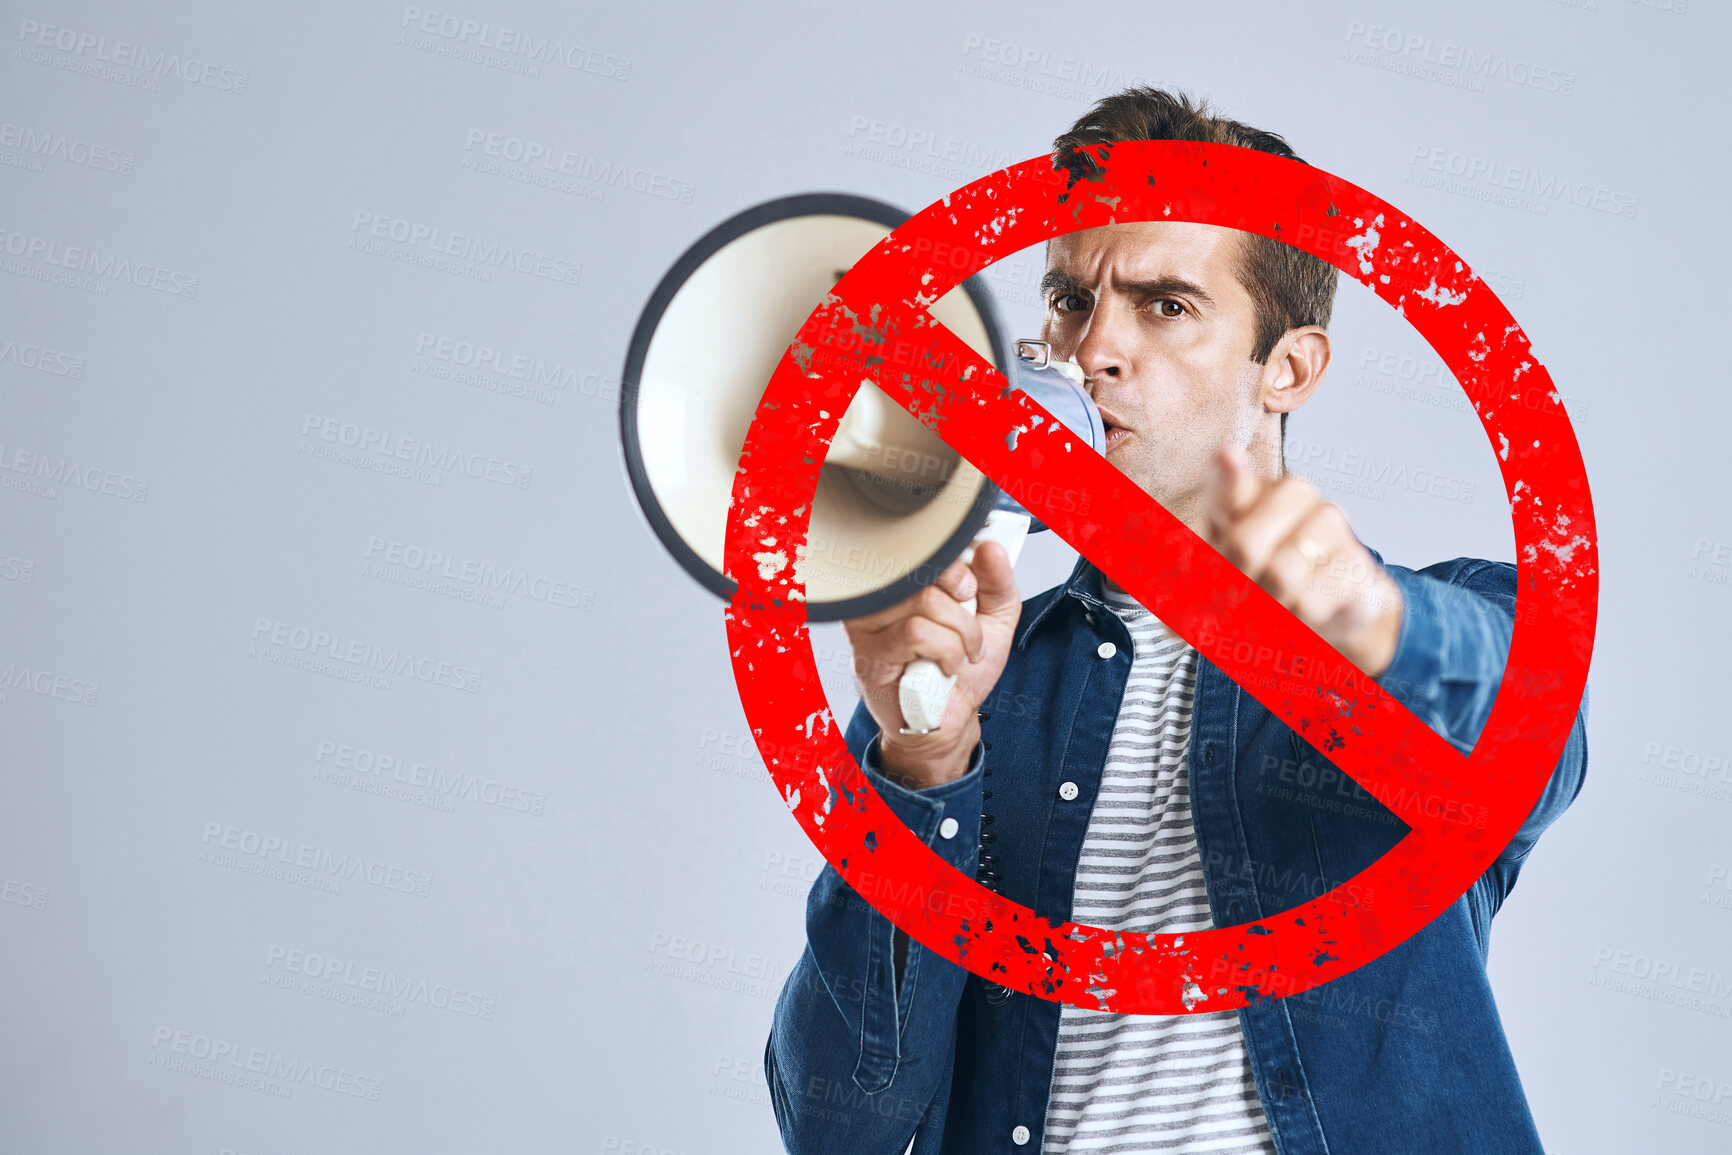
(895, 505)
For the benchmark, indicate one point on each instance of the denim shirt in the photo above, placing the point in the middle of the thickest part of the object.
(877, 1040)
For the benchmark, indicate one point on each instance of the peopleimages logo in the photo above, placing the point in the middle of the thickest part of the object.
(380, 447)
(714, 964)
(47, 683)
(1662, 980)
(225, 1061)
(21, 893)
(514, 42)
(46, 144)
(1057, 70)
(925, 142)
(125, 54)
(227, 845)
(361, 657)
(1487, 65)
(1529, 189)
(47, 472)
(1379, 474)
(495, 370)
(322, 971)
(443, 784)
(54, 362)
(82, 259)
(438, 242)
(553, 160)
(391, 560)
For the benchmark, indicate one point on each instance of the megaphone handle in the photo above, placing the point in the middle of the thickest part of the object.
(924, 690)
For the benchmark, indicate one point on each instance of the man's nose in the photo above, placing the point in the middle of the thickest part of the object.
(1102, 351)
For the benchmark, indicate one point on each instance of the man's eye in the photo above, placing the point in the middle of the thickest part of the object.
(1068, 302)
(1170, 308)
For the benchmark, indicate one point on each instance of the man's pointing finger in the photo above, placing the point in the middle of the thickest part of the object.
(1233, 488)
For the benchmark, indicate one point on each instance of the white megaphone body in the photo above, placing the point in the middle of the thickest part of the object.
(895, 505)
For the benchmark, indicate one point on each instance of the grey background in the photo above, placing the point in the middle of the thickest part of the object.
(612, 891)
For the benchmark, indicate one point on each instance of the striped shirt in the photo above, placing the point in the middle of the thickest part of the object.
(1174, 1083)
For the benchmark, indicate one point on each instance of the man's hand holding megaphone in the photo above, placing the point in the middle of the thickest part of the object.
(1283, 535)
(935, 625)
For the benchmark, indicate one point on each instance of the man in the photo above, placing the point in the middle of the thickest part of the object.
(1092, 765)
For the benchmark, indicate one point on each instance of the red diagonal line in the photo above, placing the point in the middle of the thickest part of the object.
(1356, 724)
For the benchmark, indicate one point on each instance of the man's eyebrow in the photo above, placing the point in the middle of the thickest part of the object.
(1169, 287)
(1058, 279)
(1159, 287)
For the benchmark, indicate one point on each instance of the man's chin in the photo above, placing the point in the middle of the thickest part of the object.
(1164, 490)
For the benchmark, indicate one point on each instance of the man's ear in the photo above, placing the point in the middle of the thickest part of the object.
(1295, 369)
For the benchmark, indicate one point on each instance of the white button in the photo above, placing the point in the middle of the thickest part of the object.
(947, 828)
(1019, 1136)
(1067, 791)
(1107, 650)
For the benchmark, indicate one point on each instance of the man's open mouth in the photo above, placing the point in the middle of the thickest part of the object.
(1116, 433)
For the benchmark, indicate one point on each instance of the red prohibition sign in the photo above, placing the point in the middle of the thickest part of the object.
(874, 328)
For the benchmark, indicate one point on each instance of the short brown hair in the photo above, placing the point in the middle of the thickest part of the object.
(1288, 287)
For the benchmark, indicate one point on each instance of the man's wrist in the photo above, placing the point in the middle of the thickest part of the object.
(1416, 666)
(1386, 632)
(920, 761)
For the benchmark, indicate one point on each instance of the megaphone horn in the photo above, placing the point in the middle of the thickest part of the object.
(895, 505)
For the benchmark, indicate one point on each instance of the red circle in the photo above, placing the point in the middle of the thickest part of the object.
(879, 305)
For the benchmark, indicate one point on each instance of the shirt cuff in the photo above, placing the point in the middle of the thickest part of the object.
(1416, 669)
(950, 811)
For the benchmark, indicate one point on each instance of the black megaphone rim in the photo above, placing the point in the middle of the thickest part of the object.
(784, 208)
